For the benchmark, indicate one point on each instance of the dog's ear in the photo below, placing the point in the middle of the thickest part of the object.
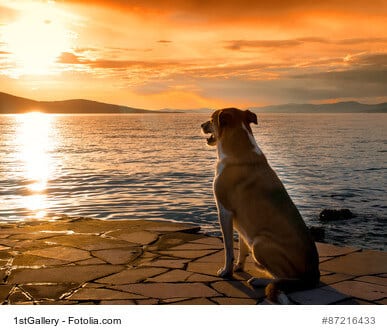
(251, 117)
(225, 119)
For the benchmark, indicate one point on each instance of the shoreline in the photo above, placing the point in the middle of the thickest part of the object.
(77, 260)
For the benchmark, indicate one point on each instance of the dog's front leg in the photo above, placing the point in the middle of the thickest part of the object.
(243, 253)
(226, 225)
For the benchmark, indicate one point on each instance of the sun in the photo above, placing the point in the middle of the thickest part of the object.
(36, 39)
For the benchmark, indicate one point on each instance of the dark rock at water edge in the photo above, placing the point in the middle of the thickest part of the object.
(318, 233)
(333, 215)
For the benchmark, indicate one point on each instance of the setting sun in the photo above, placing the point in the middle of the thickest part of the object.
(35, 41)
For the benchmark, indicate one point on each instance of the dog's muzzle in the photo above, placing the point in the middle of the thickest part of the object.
(207, 128)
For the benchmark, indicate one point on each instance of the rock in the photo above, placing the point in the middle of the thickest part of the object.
(333, 215)
(318, 233)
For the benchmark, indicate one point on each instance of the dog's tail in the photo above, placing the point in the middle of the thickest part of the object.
(276, 290)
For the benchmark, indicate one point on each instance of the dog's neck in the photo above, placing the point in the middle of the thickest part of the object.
(239, 148)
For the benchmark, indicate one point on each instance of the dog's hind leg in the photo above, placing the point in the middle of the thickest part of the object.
(243, 253)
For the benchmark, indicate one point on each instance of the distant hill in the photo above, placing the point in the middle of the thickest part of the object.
(339, 107)
(14, 104)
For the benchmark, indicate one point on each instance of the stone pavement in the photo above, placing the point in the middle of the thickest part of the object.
(87, 261)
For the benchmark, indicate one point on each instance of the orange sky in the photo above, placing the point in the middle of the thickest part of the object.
(190, 54)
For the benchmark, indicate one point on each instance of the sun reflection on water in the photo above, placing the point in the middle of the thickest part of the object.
(34, 141)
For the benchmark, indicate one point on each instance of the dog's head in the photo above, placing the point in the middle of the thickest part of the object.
(227, 118)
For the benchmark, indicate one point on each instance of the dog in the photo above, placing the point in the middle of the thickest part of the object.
(250, 197)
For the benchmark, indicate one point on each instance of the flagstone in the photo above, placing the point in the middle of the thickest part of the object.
(33, 235)
(139, 237)
(195, 301)
(151, 301)
(118, 256)
(65, 274)
(49, 291)
(101, 294)
(235, 301)
(2, 275)
(358, 263)
(167, 263)
(208, 268)
(61, 253)
(17, 296)
(172, 290)
(5, 254)
(91, 261)
(237, 289)
(133, 275)
(202, 278)
(362, 290)
(334, 278)
(186, 253)
(88, 242)
(4, 292)
(175, 275)
(194, 246)
(329, 250)
(373, 279)
(318, 296)
(173, 227)
(210, 241)
(118, 302)
(30, 261)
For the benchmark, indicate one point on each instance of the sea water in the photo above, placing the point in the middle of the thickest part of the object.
(158, 167)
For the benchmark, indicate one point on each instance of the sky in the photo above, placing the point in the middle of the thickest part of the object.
(156, 54)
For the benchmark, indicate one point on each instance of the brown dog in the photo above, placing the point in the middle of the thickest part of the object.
(250, 196)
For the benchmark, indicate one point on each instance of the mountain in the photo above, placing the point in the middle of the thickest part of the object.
(339, 107)
(14, 104)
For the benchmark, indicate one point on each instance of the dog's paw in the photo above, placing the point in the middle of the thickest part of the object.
(238, 267)
(224, 272)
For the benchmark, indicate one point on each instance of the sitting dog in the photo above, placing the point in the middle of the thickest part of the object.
(250, 197)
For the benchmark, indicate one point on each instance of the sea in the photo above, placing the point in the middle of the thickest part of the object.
(158, 167)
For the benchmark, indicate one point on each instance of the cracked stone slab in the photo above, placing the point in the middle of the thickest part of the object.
(319, 296)
(191, 254)
(235, 301)
(118, 302)
(237, 289)
(118, 256)
(358, 263)
(195, 301)
(102, 294)
(334, 278)
(4, 292)
(88, 242)
(329, 250)
(373, 279)
(133, 275)
(91, 261)
(167, 263)
(171, 290)
(17, 296)
(202, 278)
(26, 260)
(48, 291)
(61, 253)
(175, 275)
(362, 290)
(207, 268)
(65, 274)
(217, 242)
(194, 246)
(139, 237)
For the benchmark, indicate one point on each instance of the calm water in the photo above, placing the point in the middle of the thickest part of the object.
(158, 167)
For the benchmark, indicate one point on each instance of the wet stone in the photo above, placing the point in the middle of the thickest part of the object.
(65, 274)
(26, 260)
(52, 291)
(133, 275)
(118, 256)
(101, 294)
(88, 242)
(61, 253)
(4, 292)
(138, 237)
